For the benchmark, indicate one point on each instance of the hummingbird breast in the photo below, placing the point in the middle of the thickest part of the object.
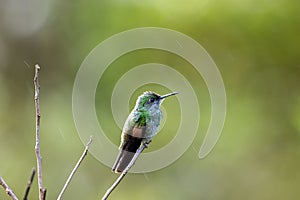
(143, 123)
(153, 122)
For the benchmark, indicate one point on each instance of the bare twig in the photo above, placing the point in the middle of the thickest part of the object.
(87, 146)
(29, 183)
(122, 175)
(8, 190)
(42, 190)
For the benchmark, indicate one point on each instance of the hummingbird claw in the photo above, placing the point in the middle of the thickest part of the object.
(146, 144)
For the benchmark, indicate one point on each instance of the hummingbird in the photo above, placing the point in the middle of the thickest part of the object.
(141, 126)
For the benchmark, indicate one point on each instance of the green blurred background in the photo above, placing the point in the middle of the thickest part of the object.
(256, 46)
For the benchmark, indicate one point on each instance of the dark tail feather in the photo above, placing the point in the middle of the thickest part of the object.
(122, 161)
(128, 148)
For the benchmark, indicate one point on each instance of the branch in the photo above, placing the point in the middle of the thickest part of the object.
(87, 146)
(116, 183)
(8, 190)
(42, 190)
(29, 183)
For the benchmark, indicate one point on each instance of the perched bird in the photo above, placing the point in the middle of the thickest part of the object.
(140, 127)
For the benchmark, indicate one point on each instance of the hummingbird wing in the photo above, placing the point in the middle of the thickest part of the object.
(131, 141)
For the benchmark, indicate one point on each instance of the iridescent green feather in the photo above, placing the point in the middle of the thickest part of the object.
(142, 114)
(141, 117)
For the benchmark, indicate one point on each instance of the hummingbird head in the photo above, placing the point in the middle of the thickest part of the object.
(151, 99)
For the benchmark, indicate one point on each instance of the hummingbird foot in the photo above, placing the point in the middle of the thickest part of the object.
(146, 144)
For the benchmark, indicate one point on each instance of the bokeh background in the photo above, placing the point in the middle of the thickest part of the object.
(255, 44)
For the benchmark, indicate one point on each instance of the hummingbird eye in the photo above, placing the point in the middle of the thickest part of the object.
(151, 100)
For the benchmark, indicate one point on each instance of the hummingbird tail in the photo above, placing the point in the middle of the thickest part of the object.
(129, 147)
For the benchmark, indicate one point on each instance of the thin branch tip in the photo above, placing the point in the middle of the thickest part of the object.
(86, 149)
(37, 66)
(29, 183)
(89, 142)
(42, 190)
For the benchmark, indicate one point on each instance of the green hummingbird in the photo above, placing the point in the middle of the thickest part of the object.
(141, 126)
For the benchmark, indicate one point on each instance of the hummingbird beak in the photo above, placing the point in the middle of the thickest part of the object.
(167, 95)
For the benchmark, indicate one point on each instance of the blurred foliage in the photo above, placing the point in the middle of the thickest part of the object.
(255, 44)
